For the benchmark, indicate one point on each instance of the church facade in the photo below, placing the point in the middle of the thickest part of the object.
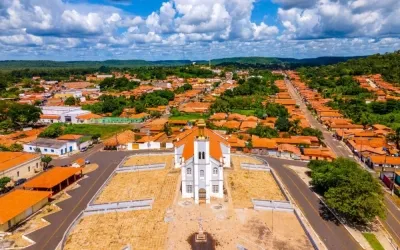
(202, 154)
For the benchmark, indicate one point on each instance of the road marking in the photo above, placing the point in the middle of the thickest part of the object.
(394, 231)
(324, 222)
(76, 205)
(394, 216)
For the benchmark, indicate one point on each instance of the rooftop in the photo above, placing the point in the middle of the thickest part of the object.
(47, 143)
(52, 178)
(18, 201)
(12, 159)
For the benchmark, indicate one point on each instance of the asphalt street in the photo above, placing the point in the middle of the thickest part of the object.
(50, 236)
(392, 222)
(331, 232)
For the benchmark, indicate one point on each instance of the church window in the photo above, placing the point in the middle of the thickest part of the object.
(215, 188)
(204, 155)
(202, 173)
(189, 171)
(199, 155)
(189, 189)
(215, 171)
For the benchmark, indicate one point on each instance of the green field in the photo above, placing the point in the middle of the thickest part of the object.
(92, 129)
(373, 241)
(244, 111)
(194, 116)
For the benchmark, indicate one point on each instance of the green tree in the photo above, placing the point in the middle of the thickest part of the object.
(52, 131)
(70, 101)
(282, 124)
(295, 127)
(22, 115)
(46, 160)
(264, 132)
(312, 132)
(16, 147)
(348, 189)
(394, 137)
(4, 181)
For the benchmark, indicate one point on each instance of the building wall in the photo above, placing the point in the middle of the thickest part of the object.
(151, 145)
(22, 216)
(49, 121)
(47, 151)
(24, 170)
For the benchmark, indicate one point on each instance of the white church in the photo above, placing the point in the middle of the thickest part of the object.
(202, 154)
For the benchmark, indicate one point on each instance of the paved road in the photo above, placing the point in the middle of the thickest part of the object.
(392, 222)
(330, 231)
(50, 236)
(84, 155)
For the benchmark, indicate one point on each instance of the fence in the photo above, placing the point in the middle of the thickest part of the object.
(284, 206)
(387, 177)
(119, 206)
(140, 168)
(251, 166)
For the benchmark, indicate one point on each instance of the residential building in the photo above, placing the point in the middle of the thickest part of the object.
(67, 114)
(202, 154)
(49, 146)
(16, 165)
(54, 180)
(18, 205)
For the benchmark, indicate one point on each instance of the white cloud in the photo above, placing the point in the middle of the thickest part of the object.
(198, 29)
(354, 18)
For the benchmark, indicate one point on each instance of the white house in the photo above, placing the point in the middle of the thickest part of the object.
(65, 114)
(49, 146)
(202, 154)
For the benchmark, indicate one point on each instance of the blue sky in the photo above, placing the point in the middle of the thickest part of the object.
(195, 29)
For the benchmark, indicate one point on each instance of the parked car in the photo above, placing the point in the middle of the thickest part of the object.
(20, 181)
(87, 162)
(83, 149)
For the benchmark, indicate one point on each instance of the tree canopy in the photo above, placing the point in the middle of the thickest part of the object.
(348, 189)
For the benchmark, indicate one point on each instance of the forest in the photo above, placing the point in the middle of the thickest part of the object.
(337, 82)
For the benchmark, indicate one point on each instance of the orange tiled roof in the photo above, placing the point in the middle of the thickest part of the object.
(289, 148)
(317, 152)
(377, 159)
(248, 124)
(52, 178)
(69, 137)
(218, 116)
(120, 139)
(54, 117)
(88, 116)
(237, 117)
(232, 124)
(18, 201)
(190, 136)
(263, 142)
(12, 159)
(285, 101)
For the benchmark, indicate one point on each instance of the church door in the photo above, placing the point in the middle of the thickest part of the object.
(202, 194)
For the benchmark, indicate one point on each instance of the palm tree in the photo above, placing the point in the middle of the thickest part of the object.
(394, 137)
(295, 127)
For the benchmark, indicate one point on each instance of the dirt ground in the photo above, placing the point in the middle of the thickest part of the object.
(236, 160)
(140, 229)
(137, 185)
(232, 227)
(245, 185)
(150, 159)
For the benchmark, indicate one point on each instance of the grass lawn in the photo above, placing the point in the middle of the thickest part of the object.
(191, 116)
(373, 241)
(247, 112)
(91, 129)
